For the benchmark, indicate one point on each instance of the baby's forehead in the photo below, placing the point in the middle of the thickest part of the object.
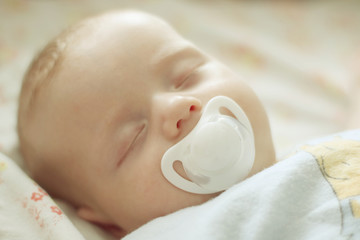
(129, 21)
(129, 32)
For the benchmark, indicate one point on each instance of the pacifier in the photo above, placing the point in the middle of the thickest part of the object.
(218, 153)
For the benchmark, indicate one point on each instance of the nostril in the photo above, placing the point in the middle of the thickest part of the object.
(185, 117)
(178, 124)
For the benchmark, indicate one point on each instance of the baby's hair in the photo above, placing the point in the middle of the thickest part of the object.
(39, 74)
(38, 79)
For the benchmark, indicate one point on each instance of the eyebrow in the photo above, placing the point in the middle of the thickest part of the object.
(164, 58)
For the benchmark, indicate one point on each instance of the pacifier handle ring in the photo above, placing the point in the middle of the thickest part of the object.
(219, 102)
(174, 178)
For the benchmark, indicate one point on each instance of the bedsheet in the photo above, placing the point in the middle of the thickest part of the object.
(27, 211)
(301, 57)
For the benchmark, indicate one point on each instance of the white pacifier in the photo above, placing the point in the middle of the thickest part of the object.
(218, 153)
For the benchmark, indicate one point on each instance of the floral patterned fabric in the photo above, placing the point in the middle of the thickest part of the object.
(27, 211)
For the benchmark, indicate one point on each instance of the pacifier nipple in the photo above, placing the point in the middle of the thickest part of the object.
(218, 153)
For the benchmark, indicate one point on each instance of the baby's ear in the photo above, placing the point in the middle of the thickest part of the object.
(101, 220)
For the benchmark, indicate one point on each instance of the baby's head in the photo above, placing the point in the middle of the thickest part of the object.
(102, 103)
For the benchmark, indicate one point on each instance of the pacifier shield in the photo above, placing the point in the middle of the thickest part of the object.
(212, 148)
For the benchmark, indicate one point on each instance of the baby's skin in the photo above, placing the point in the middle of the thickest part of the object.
(127, 88)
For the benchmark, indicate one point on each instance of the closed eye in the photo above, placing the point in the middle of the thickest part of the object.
(134, 139)
(188, 78)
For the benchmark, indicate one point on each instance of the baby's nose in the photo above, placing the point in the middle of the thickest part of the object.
(176, 112)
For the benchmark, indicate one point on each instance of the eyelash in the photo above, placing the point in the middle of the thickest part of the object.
(135, 141)
(138, 136)
(183, 80)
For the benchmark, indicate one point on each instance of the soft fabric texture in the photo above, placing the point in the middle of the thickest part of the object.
(313, 194)
(27, 211)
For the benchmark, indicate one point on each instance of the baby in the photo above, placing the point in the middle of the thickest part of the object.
(102, 103)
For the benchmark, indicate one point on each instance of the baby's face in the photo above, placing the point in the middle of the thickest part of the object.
(126, 92)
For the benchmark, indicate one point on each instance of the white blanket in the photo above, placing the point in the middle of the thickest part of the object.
(314, 194)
